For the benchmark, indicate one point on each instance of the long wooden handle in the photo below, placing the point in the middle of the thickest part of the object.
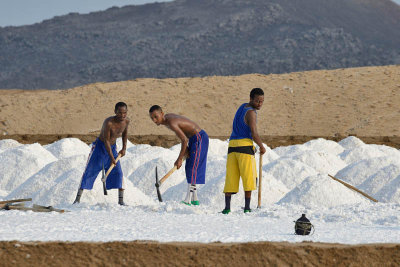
(112, 166)
(259, 182)
(168, 174)
(15, 200)
(353, 188)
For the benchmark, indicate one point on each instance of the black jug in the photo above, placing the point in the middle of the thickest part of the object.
(303, 226)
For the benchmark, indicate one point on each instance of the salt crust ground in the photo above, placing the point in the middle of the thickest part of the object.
(295, 181)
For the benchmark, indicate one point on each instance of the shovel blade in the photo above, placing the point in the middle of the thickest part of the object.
(158, 187)
(103, 179)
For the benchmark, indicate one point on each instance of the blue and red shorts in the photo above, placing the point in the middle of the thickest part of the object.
(98, 158)
(196, 163)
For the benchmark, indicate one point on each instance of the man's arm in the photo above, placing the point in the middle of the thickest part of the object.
(174, 127)
(107, 137)
(124, 140)
(251, 120)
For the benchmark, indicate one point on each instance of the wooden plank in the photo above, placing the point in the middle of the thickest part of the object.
(10, 207)
(51, 208)
(15, 200)
(353, 188)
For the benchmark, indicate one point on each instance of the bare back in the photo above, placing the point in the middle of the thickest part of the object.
(188, 127)
(112, 129)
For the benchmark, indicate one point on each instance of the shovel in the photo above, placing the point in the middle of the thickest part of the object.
(158, 187)
(259, 182)
(159, 183)
(104, 176)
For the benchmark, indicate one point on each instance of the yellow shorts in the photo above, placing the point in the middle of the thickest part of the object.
(240, 165)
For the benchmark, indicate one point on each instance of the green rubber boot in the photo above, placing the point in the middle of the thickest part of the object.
(246, 211)
(226, 211)
(186, 203)
(195, 202)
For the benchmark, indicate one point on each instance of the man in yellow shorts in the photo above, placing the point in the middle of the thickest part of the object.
(241, 161)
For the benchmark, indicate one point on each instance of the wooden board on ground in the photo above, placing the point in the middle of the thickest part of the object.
(15, 200)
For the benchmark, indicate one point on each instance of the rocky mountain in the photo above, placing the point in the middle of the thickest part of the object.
(199, 38)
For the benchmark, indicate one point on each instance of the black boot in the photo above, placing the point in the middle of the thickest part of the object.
(227, 209)
(247, 205)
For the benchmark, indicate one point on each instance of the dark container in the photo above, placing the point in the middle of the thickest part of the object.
(303, 226)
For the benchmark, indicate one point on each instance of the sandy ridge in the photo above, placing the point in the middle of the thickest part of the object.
(359, 101)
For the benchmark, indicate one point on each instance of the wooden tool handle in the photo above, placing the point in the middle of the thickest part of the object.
(15, 200)
(353, 188)
(259, 181)
(168, 174)
(113, 165)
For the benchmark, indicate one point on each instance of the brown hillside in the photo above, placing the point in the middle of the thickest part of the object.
(361, 101)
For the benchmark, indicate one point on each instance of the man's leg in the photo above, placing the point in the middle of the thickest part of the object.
(188, 195)
(227, 203)
(200, 165)
(121, 197)
(115, 181)
(248, 172)
(195, 200)
(78, 196)
(247, 198)
(93, 167)
(231, 180)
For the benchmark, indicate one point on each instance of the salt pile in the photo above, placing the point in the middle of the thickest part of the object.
(356, 173)
(351, 142)
(320, 161)
(269, 156)
(294, 174)
(380, 179)
(290, 172)
(327, 146)
(320, 190)
(144, 176)
(290, 150)
(7, 144)
(361, 153)
(50, 179)
(390, 192)
(18, 164)
(128, 144)
(62, 148)
(294, 181)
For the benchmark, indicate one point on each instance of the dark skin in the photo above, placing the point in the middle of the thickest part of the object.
(114, 127)
(251, 121)
(181, 126)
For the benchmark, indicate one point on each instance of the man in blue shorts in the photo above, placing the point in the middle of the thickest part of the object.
(104, 153)
(194, 145)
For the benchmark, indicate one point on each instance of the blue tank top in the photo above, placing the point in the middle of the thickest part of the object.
(240, 129)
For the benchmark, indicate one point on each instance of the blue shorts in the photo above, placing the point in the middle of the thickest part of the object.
(196, 163)
(98, 158)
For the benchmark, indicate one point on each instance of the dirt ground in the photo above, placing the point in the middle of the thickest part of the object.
(140, 253)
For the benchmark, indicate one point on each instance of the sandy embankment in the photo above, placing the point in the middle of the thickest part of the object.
(335, 103)
(196, 254)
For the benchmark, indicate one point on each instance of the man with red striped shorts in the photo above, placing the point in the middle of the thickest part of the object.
(194, 146)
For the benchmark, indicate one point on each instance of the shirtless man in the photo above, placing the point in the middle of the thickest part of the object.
(104, 153)
(194, 145)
